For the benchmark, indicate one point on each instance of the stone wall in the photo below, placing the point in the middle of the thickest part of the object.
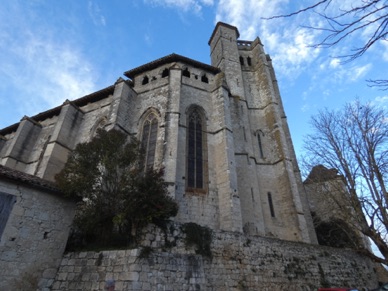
(238, 263)
(35, 231)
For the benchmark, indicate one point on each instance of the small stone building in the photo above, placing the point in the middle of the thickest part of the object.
(332, 209)
(35, 221)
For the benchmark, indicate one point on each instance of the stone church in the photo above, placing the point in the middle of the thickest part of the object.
(219, 131)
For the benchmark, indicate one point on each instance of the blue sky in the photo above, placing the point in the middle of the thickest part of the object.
(51, 51)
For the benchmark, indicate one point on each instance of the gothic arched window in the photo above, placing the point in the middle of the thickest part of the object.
(148, 139)
(196, 151)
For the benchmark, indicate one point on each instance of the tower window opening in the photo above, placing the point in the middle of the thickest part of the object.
(186, 73)
(145, 80)
(165, 73)
(204, 79)
(270, 203)
(241, 61)
(249, 61)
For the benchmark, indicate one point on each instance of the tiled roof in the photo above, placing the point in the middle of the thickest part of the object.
(170, 59)
(31, 180)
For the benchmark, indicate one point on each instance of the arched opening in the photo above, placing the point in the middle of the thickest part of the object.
(165, 73)
(186, 73)
(204, 79)
(145, 80)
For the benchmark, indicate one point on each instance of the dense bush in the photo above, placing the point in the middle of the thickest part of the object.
(118, 196)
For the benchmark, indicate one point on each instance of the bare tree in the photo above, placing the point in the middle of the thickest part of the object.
(354, 141)
(369, 17)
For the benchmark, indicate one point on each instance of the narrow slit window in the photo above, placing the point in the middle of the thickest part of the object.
(249, 61)
(148, 141)
(242, 61)
(270, 203)
(260, 145)
(245, 136)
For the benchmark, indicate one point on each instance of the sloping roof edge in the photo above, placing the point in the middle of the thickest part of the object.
(28, 179)
(169, 59)
(226, 25)
(95, 96)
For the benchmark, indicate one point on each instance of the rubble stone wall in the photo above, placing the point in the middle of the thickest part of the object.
(238, 263)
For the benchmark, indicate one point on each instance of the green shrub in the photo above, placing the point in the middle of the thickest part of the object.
(198, 236)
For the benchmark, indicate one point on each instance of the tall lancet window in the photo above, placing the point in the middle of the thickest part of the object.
(196, 151)
(148, 139)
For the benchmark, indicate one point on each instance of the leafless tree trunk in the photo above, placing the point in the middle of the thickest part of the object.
(354, 141)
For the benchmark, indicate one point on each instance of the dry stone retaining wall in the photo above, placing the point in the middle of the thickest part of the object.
(238, 263)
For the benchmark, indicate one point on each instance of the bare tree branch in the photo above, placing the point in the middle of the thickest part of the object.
(301, 10)
(381, 84)
(354, 141)
(369, 17)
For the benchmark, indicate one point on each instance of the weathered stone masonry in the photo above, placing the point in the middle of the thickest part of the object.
(244, 185)
(250, 179)
(238, 263)
(35, 236)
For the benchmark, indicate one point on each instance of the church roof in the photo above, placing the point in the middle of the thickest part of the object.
(93, 97)
(170, 59)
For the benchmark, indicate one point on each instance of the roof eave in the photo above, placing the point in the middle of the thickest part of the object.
(170, 59)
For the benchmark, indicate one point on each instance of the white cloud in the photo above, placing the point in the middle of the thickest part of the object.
(385, 50)
(334, 63)
(359, 71)
(381, 100)
(286, 42)
(57, 68)
(185, 5)
(247, 15)
(43, 67)
(96, 14)
(305, 108)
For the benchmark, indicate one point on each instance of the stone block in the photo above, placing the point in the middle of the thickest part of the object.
(129, 276)
(49, 273)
